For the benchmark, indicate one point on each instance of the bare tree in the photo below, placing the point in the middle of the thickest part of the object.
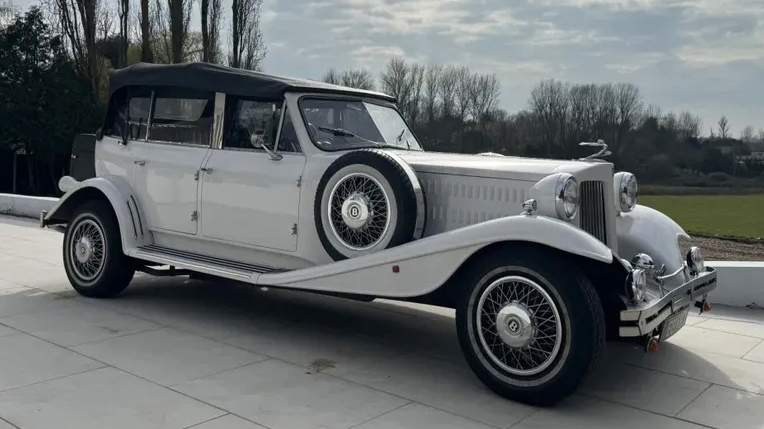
(549, 102)
(332, 76)
(146, 53)
(361, 79)
(724, 127)
(748, 136)
(689, 125)
(449, 81)
(247, 45)
(210, 11)
(124, 29)
(173, 44)
(177, 29)
(431, 86)
(80, 21)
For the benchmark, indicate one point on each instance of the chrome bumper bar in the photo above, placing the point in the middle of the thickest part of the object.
(644, 319)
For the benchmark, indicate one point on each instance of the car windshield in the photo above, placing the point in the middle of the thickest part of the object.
(350, 124)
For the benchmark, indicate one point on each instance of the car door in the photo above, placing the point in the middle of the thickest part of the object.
(250, 197)
(167, 163)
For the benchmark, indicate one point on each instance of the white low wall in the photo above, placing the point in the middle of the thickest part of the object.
(22, 205)
(739, 283)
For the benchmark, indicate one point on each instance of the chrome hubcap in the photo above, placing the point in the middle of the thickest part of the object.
(355, 211)
(518, 325)
(359, 211)
(87, 250)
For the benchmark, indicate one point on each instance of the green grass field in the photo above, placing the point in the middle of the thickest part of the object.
(735, 215)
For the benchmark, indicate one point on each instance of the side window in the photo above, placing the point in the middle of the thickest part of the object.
(288, 139)
(181, 116)
(128, 113)
(116, 115)
(251, 124)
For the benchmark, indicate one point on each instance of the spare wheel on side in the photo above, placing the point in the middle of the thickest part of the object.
(368, 200)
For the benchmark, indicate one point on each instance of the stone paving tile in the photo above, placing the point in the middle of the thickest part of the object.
(588, 413)
(24, 300)
(228, 421)
(4, 330)
(725, 408)
(104, 398)
(167, 356)
(751, 329)
(420, 416)
(36, 274)
(654, 391)
(709, 367)
(435, 382)
(757, 354)
(76, 323)
(25, 360)
(283, 396)
(697, 338)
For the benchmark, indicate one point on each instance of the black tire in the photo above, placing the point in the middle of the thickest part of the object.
(115, 270)
(392, 177)
(582, 328)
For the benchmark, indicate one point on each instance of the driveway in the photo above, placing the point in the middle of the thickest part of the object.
(175, 353)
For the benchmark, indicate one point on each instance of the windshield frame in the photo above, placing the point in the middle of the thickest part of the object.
(341, 97)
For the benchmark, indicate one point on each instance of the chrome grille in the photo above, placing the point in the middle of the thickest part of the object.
(592, 210)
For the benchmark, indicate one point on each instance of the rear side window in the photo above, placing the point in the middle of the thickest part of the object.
(128, 113)
(182, 115)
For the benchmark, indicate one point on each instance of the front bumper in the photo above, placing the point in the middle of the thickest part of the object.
(644, 318)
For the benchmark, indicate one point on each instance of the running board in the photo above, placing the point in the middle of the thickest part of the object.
(201, 263)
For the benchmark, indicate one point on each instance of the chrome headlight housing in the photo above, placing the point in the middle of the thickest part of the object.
(625, 188)
(695, 261)
(566, 199)
(638, 280)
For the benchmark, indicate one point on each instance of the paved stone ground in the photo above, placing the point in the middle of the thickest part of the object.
(174, 353)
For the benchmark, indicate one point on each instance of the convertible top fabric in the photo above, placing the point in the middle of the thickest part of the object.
(217, 78)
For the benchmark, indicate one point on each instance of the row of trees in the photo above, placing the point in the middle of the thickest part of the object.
(454, 109)
(56, 58)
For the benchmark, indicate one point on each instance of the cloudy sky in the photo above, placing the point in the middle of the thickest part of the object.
(706, 56)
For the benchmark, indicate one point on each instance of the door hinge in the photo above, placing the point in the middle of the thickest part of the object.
(195, 215)
(196, 175)
(294, 229)
(299, 181)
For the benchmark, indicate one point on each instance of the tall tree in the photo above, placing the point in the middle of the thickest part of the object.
(724, 127)
(124, 30)
(146, 54)
(210, 11)
(247, 45)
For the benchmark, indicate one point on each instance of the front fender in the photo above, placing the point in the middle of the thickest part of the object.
(426, 264)
(119, 194)
(646, 230)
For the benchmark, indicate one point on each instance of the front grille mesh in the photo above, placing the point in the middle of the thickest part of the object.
(592, 210)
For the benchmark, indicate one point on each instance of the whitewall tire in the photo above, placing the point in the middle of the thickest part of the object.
(530, 326)
(92, 250)
(365, 202)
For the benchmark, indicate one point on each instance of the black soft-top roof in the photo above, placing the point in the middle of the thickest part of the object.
(217, 78)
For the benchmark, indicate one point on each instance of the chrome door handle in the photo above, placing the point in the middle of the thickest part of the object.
(207, 170)
(139, 162)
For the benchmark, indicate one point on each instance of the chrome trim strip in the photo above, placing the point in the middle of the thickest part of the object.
(659, 310)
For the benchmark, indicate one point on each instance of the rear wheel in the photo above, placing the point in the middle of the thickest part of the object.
(530, 326)
(93, 257)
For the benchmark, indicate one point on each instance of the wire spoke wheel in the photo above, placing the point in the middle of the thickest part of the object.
(87, 250)
(359, 211)
(518, 325)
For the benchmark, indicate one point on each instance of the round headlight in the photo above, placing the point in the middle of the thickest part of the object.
(625, 185)
(566, 197)
(639, 284)
(695, 260)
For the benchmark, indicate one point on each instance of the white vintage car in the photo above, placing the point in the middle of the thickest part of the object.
(207, 170)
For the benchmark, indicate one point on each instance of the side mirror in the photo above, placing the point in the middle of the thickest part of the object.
(99, 134)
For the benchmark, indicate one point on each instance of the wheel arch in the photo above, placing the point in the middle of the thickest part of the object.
(608, 278)
(115, 193)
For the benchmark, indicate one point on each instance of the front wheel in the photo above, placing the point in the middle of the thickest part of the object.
(530, 326)
(93, 257)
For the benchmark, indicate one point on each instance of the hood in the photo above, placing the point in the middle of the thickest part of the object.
(498, 167)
